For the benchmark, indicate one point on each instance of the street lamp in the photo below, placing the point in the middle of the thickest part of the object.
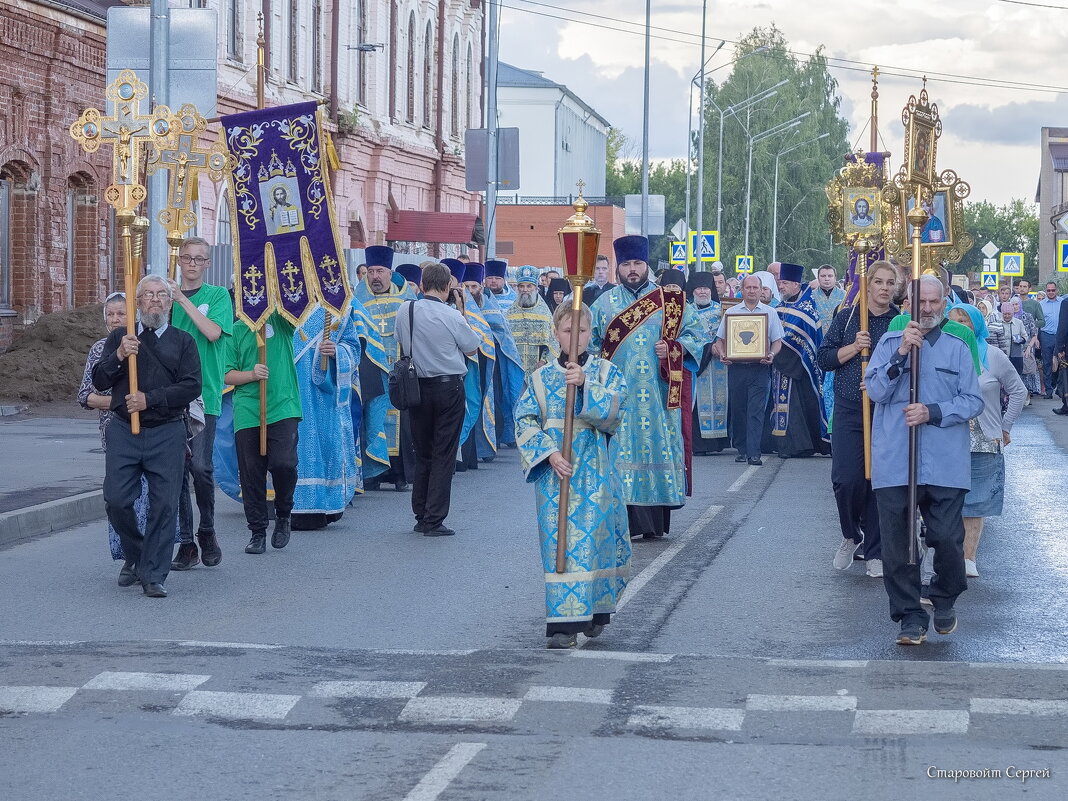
(778, 129)
(689, 125)
(775, 194)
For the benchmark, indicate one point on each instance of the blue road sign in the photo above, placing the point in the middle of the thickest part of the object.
(679, 253)
(743, 264)
(709, 246)
(1062, 256)
(990, 280)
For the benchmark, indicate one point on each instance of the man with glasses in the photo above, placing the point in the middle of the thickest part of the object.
(168, 380)
(207, 314)
(1047, 335)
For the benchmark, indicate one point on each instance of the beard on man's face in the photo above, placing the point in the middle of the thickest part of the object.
(636, 280)
(153, 319)
(527, 300)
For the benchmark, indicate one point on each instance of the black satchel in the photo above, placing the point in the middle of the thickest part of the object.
(403, 381)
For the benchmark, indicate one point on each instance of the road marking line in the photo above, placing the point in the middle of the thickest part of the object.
(567, 695)
(622, 656)
(831, 663)
(417, 652)
(910, 721)
(43, 642)
(367, 689)
(1019, 665)
(459, 709)
(686, 717)
(442, 774)
(34, 699)
(1018, 706)
(241, 706)
(744, 477)
(251, 646)
(669, 553)
(165, 682)
(800, 703)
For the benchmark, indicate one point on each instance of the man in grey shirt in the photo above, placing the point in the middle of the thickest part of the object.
(438, 342)
(949, 396)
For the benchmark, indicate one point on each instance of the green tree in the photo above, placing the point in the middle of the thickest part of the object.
(806, 162)
(1012, 227)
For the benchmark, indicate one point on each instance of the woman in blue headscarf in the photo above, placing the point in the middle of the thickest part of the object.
(989, 433)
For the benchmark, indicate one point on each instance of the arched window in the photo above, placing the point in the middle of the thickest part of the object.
(454, 89)
(470, 99)
(222, 220)
(411, 68)
(233, 28)
(84, 283)
(5, 240)
(19, 189)
(317, 46)
(428, 76)
(293, 29)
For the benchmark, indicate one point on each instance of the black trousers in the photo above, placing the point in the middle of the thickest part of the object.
(157, 453)
(748, 386)
(280, 461)
(941, 508)
(857, 507)
(435, 426)
(200, 472)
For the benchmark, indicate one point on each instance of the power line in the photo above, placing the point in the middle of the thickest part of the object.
(892, 71)
(1033, 5)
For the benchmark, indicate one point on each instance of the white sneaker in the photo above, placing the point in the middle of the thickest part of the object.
(970, 570)
(874, 568)
(843, 557)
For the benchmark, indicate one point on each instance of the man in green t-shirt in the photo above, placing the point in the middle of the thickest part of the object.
(207, 314)
(245, 371)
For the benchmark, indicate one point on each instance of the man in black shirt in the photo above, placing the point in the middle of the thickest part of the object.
(839, 352)
(168, 379)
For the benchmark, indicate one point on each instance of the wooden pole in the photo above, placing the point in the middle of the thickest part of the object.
(569, 428)
(324, 361)
(261, 340)
(862, 247)
(917, 218)
(125, 220)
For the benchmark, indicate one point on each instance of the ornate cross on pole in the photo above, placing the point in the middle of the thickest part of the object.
(186, 161)
(126, 130)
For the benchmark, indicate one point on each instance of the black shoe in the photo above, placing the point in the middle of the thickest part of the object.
(280, 535)
(258, 543)
(210, 552)
(945, 621)
(401, 486)
(186, 557)
(127, 576)
(1062, 410)
(740, 458)
(419, 527)
(438, 531)
(154, 589)
(913, 634)
(1048, 396)
(756, 462)
(594, 630)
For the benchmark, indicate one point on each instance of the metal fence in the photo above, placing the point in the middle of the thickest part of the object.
(558, 200)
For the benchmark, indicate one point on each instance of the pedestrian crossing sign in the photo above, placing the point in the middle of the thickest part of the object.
(990, 280)
(1062, 255)
(1012, 264)
(743, 264)
(679, 253)
(709, 246)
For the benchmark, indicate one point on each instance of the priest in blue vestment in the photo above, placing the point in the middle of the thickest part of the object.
(652, 335)
(710, 382)
(497, 283)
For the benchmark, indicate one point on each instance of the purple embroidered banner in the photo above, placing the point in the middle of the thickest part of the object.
(286, 251)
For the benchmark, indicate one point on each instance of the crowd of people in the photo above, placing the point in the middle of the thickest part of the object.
(668, 366)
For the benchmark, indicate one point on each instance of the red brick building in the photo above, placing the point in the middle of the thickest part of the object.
(526, 234)
(54, 226)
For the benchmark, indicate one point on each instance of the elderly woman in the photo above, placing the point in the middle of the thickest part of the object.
(769, 293)
(989, 434)
(90, 398)
(1029, 367)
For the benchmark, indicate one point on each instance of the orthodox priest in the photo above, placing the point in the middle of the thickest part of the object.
(497, 282)
(381, 297)
(798, 422)
(531, 322)
(652, 335)
(710, 382)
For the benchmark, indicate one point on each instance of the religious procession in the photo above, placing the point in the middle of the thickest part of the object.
(399, 454)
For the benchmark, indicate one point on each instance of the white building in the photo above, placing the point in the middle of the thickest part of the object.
(1052, 197)
(561, 138)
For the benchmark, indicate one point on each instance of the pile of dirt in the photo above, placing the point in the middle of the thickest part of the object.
(46, 361)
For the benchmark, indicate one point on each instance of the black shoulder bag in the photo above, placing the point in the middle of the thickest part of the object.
(403, 381)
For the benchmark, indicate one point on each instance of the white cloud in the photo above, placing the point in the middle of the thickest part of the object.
(992, 134)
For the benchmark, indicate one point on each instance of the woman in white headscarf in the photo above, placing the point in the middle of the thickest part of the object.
(770, 292)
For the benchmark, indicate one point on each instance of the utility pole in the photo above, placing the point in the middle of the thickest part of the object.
(159, 32)
(645, 124)
(492, 47)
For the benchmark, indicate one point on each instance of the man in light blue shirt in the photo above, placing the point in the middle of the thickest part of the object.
(1047, 336)
(949, 397)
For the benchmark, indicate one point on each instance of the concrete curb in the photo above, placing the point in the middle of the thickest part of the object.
(50, 517)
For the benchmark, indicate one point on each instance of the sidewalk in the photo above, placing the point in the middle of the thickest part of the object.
(51, 472)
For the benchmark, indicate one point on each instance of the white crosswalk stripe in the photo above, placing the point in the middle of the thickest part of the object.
(239, 706)
(163, 682)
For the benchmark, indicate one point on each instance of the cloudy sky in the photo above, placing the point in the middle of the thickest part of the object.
(972, 51)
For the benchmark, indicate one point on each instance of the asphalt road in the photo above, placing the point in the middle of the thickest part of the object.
(367, 662)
